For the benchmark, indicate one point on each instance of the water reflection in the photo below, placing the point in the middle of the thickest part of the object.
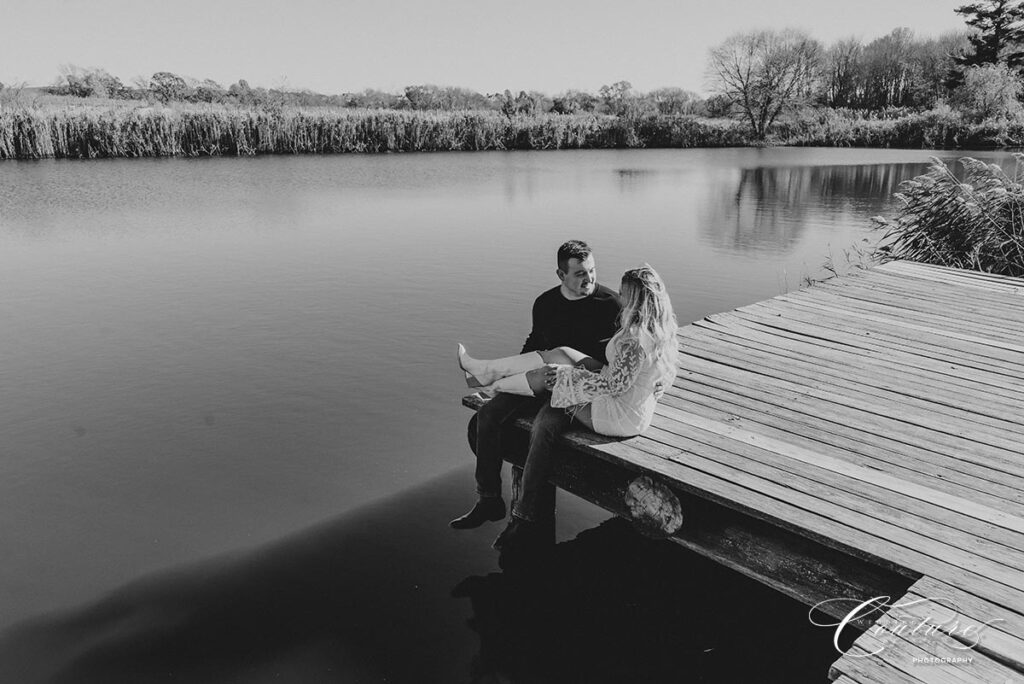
(768, 209)
(631, 180)
(346, 601)
(613, 606)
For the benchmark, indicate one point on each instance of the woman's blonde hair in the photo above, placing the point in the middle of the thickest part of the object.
(647, 312)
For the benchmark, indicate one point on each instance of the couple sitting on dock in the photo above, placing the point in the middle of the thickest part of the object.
(593, 356)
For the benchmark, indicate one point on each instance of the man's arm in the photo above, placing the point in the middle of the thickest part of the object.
(537, 340)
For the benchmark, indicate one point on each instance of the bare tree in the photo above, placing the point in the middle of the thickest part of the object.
(765, 72)
(889, 70)
(841, 73)
(672, 101)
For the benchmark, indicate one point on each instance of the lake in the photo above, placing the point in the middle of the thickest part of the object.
(229, 394)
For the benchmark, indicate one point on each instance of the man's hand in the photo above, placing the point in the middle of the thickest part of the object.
(542, 378)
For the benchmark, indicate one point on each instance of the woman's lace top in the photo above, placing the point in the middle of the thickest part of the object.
(626, 359)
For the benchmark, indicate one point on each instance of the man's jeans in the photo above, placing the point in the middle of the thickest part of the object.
(548, 424)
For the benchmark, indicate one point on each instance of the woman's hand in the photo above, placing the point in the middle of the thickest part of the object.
(591, 364)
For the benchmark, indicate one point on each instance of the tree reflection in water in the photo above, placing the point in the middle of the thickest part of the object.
(771, 206)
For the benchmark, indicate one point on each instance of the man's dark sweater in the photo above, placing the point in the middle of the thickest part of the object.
(583, 324)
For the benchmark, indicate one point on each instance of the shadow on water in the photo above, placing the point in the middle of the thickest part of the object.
(390, 594)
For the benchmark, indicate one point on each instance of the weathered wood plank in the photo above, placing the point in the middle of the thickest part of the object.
(997, 645)
(933, 296)
(857, 301)
(984, 281)
(935, 278)
(1000, 639)
(895, 358)
(998, 310)
(918, 657)
(823, 464)
(857, 666)
(843, 679)
(970, 603)
(868, 419)
(828, 497)
(938, 470)
(986, 408)
(878, 339)
(1008, 351)
(990, 281)
(854, 351)
(893, 331)
(1015, 281)
(874, 377)
(807, 515)
(976, 437)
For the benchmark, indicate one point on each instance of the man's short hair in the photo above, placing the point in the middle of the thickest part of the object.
(573, 249)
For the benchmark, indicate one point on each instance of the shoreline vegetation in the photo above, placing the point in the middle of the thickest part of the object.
(88, 131)
(974, 221)
(962, 89)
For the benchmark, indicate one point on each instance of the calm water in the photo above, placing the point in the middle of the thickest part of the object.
(228, 380)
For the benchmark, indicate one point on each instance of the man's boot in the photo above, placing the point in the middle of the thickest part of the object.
(487, 509)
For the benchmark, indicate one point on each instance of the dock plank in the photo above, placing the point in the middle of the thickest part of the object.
(893, 332)
(858, 349)
(931, 296)
(835, 348)
(888, 304)
(1007, 285)
(815, 460)
(876, 416)
(879, 339)
(984, 408)
(944, 472)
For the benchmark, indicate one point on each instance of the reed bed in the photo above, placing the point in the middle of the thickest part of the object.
(937, 129)
(89, 132)
(976, 222)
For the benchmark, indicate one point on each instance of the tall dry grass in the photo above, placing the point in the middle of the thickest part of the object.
(34, 130)
(975, 223)
(87, 132)
(939, 128)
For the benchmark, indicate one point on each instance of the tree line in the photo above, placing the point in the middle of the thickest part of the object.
(761, 74)
(165, 87)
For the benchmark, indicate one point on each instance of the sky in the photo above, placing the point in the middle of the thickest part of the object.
(336, 46)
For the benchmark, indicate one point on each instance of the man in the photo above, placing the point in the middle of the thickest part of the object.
(578, 313)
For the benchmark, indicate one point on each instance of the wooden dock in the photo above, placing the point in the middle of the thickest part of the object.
(862, 437)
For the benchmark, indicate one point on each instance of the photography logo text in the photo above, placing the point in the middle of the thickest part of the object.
(913, 620)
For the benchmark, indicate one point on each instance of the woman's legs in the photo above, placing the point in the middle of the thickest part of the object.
(585, 416)
(563, 355)
(521, 383)
(486, 371)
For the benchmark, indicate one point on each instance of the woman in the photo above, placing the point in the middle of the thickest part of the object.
(616, 399)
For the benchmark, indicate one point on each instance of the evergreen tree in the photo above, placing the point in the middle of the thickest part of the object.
(1000, 25)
